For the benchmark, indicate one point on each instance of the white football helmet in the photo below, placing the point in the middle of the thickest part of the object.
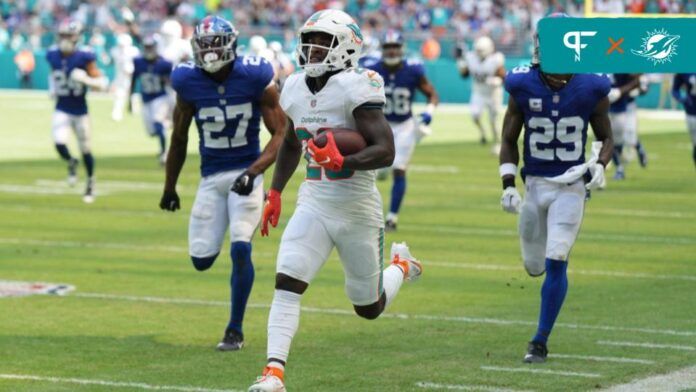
(344, 50)
(257, 44)
(484, 47)
(124, 40)
(171, 29)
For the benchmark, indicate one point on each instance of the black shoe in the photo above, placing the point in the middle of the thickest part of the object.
(232, 341)
(642, 158)
(72, 171)
(536, 353)
(389, 225)
(483, 141)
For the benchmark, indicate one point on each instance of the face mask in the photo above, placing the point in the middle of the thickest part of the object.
(66, 45)
(392, 60)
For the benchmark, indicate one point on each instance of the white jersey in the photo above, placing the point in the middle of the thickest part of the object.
(480, 70)
(123, 61)
(346, 194)
(176, 51)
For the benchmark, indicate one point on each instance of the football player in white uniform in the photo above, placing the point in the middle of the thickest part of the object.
(122, 55)
(487, 69)
(338, 205)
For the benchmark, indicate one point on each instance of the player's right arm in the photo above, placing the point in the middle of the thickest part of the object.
(510, 156)
(289, 155)
(134, 77)
(183, 115)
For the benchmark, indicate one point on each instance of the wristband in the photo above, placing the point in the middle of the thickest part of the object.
(508, 168)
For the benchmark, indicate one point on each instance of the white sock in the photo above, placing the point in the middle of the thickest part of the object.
(283, 321)
(392, 278)
(392, 217)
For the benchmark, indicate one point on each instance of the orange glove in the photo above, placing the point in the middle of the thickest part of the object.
(271, 211)
(328, 156)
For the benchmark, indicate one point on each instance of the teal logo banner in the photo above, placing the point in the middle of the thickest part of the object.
(617, 45)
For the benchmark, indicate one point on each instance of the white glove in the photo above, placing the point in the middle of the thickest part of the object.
(598, 180)
(79, 75)
(494, 81)
(462, 64)
(511, 200)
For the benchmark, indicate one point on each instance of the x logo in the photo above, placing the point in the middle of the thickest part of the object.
(615, 45)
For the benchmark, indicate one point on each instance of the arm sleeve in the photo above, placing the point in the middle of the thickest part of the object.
(603, 87)
(178, 79)
(676, 86)
(364, 87)
(510, 83)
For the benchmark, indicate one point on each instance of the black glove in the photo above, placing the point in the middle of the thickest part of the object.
(244, 184)
(170, 201)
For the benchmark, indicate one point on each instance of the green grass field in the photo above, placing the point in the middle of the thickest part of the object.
(142, 318)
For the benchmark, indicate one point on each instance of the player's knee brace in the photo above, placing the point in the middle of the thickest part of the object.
(203, 263)
(288, 283)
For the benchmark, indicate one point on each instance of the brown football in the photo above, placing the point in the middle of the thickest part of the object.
(348, 141)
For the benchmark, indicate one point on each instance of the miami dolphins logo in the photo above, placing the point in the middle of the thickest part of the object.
(658, 47)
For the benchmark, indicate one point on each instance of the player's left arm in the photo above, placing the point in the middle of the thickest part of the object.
(90, 76)
(374, 128)
(275, 120)
(601, 127)
(428, 90)
(510, 156)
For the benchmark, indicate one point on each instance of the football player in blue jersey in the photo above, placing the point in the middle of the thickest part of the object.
(555, 111)
(687, 82)
(402, 77)
(153, 72)
(226, 95)
(73, 69)
(624, 118)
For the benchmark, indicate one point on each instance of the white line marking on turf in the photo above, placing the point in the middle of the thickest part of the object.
(112, 185)
(540, 371)
(403, 316)
(680, 347)
(671, 382)
(96, 245)
(118, 384)
(462, 387)
(434, 169)
(602, 359)
(615, 274)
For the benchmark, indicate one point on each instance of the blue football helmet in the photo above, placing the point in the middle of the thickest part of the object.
(214, 43)
(536, 57)
(392, 47)
(69, 31)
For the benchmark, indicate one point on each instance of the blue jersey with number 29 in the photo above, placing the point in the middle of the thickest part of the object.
(70, 95)
(228, 114)
(399, 87)
(555, 122)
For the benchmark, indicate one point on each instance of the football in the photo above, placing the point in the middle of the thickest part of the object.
(348, 141)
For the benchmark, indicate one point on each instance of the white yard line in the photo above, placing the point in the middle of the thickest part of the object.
(540, 371)
(679, 380)
(402, 316)
(433, 169)
(615, 274)
(679, 347)
(602, 359)
(463, 387)
(111, 184)
(106, 383)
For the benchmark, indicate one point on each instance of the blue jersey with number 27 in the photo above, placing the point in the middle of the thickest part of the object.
(399, 87)
(70, 95)
(555, 122)
(228, 114)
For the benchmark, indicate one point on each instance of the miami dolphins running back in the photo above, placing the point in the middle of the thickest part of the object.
(687, 82)
(402, 77)
(555, 111)
(338, 204)
(73, 69)
(153, 72)
(227, 96)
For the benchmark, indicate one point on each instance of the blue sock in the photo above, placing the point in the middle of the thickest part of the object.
(89, 163)
(159, 132)
(63, 152)
(241, 281)
(616, 155)
(553, 292)
(397, 193)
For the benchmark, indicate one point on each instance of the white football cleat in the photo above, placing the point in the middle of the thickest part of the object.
(271, 381)
(89, 192)
(401, 256)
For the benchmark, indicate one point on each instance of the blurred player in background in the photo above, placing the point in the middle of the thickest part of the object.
(173, 47)
(624, 119)
(73, 69)
(687, 82)
(402, 78)
(153, 72)
(282, 64)
(338, 204)
(555, 111)
(227, 96)
(487, 69)
(122, 55)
